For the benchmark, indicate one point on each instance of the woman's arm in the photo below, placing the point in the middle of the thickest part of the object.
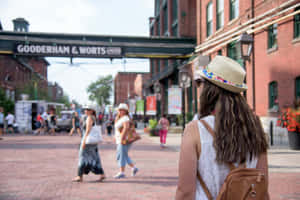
(262, 164)
(124, 130)
(188, 162)
(89, 124)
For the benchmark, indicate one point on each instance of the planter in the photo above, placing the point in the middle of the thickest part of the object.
(294, 140)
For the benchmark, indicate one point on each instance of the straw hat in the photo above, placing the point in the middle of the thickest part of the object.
(225, 73)
(123, 106)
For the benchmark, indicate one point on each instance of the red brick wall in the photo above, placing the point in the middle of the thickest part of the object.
(281, 65)
(124, 85)
(18, 73)
(138, 83)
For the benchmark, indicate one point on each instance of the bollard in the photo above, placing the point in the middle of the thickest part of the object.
(271, 132)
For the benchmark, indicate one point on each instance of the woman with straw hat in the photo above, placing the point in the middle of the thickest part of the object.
(89, 159)
(227, 131)
(122, 124)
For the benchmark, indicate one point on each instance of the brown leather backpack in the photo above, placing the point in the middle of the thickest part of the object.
(240, 184)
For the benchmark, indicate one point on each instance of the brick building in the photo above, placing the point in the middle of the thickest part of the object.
(173, 18)
(18, 72)
(273, 71)
(128, 85)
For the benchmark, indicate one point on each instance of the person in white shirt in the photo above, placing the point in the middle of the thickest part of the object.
(121, 128)
(10, 122)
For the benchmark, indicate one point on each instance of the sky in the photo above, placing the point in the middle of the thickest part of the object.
(102, 17)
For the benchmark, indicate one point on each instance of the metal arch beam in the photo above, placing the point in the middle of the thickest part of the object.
(131, 46)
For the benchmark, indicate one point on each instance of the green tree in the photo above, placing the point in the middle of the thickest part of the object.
(7, 104)
(100, 90)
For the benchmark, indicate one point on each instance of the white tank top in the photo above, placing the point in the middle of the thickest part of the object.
(212, 173)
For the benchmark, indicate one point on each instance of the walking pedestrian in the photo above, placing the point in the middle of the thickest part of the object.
(164, 123)
(122, 124)
(10, 122)
(1, 122)
(228, 135)
(75, 124)
(89, 159)
(108, 127)
(39, 124)
(52, 121)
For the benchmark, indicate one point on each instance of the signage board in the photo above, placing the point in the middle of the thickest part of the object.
(174, 101)
(67, 50)
(151, 105)
(140, 107)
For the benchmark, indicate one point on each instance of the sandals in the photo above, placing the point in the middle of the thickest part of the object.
(101, 179)
(77, 179)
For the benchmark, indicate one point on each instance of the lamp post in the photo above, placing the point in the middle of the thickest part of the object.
(157, 90)
(244, 49)
(184, 82)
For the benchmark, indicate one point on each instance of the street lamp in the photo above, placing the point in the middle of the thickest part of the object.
(244, 49)
(244, 46)
(157, 90)
(184, 82)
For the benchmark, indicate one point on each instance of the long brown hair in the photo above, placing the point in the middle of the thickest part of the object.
(238, 131)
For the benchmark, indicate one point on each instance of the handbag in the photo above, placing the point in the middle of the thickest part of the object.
(94, 136)
(132, 137)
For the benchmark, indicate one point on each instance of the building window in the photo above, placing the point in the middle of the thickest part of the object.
(165, 18)
(272, 36)
(157, 7)
(152, 66)
(220, 52)
(151, 31)
(231, 51)
(297, 87)
(297, 24)
(158, 66)
(175, 30)
(174, 10)
(273, 93)
(158, 27)
(209, 19)
(220, 14)
(234, 9)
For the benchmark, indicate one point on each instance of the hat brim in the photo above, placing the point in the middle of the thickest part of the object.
(226, 86)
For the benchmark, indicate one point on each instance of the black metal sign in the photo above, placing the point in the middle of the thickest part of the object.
(67, 50)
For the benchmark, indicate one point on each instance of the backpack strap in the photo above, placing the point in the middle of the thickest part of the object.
(202, 183)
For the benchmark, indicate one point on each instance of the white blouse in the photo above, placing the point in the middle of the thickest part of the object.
(118, 125)
(211, 172)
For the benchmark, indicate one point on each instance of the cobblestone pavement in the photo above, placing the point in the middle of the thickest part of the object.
(41, 168)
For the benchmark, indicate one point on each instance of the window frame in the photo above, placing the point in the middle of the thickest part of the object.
(218, 13)
(233, 9)
(209, 23)
(272, 36)
(297, 87)
(297, 24)
(273, 93)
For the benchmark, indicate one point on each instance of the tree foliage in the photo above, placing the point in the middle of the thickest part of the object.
(100, 90)
(5, 103)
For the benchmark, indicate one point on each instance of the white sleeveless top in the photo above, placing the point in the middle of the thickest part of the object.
(212, 173)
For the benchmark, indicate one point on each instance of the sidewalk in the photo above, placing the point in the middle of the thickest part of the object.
(280, 158)
(41, 168)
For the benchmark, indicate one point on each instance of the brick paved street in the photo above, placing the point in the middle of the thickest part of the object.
(41, 168)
